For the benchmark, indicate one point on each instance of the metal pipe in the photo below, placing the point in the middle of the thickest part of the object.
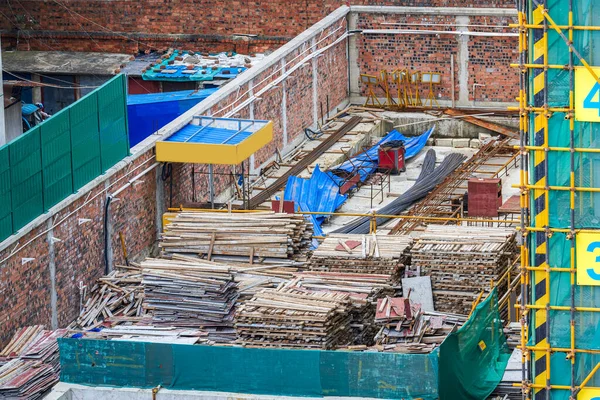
(432, 32)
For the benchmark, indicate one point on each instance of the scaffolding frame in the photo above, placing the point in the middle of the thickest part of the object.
(535, 303)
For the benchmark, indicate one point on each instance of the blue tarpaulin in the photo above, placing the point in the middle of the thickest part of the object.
(147, 113)
(319, 193)
(366, 163)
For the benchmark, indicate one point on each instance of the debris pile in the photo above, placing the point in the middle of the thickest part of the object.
(252, 236)
(405, 328)
(462, 261)
(31, 365)
(191, 294)
(362, 254)
(288, 317)
(115, 298)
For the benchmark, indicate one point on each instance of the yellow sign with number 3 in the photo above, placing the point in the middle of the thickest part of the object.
(588, 258)
(587, 95)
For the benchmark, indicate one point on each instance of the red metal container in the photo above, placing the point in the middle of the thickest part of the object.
(288, 206)
(392, 158)
(485, 197)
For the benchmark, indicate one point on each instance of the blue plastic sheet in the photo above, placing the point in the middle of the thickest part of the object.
(149, 112)
(366, 163)
(318, 194)
(321, 193)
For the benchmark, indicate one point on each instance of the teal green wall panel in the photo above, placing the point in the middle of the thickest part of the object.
(279, 372)
(85, 140)
(56, 159)
(114, 144)
(26, 178)
(6, 228)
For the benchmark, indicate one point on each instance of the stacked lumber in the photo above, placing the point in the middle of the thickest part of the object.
(190, 294)
(462, 262)
(362, 254)
(253, 236)
(287, 317)
(405, 328)
(150, 334)
(115, 298)
(20, 341)
(364, 290)
(513, 334)
(33, 366)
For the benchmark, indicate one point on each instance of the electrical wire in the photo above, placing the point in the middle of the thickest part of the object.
(48, 84)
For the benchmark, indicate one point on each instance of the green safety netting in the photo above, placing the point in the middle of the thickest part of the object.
(473, 359)
(587, 205)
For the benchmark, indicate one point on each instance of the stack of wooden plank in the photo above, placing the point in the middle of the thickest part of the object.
(287, 317)
(362, 254)
(405, 328)
(462, 261)
(253, 236)
(115, 298)
(32, 365)
(190, 293)
(150, 334)
(364, 290)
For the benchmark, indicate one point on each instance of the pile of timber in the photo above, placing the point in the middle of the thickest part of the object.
(114, 299)
(362, 254)
(405, 328)
(253, 236)
(364, 290)
(191, 294)
(287, 317)
(513, 334)
(31, 366)
(150, 334)
(462, 262)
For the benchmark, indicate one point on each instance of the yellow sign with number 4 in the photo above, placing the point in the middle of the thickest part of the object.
(587, 95)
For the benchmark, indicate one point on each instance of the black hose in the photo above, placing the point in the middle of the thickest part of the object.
(428, 179)
(106, 234)
(312, 135)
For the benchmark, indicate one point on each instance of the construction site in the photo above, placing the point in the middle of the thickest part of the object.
(379, 200)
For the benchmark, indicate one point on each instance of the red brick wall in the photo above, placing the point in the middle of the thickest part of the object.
(79, 255)
(489, 58)
(131, 25)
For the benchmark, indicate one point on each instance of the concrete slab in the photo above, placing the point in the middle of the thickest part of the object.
(475, 144)
(443, 142)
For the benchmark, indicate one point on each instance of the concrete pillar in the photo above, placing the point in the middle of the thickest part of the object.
(2, 122)
(315, 83)
(463, 62)
(36, 91)
(251, 113)
(160, 201)
(284, 105)
(52, 269)
(353, 70)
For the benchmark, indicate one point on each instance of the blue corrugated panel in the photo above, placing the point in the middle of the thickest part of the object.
(208, 135)
(114, 141)
(56, 158)
(26, 178)
(147, 113)
(85, 140)
(6, 226)
(318, 194)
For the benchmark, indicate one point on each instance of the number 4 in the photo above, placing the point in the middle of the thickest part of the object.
(589, 102)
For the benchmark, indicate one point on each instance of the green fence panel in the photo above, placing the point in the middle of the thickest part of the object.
(26, 178)
(85, 140)
(112, 110)
(6, 226)
(278, 372)
(56, 158)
